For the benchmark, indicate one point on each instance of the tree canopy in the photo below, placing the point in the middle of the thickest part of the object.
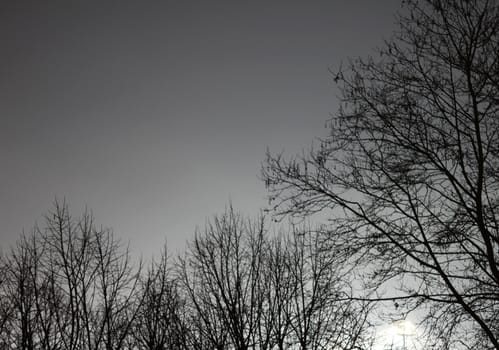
(408, 173)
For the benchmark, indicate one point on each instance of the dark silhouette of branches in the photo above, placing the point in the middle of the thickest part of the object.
(322, 316)
(409, 171)
(221, 274)
(30, 304)
(160, 323)
(68, 286)
(73, 286)
(252, 291)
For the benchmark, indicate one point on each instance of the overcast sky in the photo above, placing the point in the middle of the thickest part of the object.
(155, 114)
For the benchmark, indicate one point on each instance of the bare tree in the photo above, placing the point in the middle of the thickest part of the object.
(30, 307)
(20, 291)
(205, 327)
(68, 286)
(250, 291)
(6, 307)
(409, 172)
(221, 275)
(321, 314)
(160, 322)
(98, 278)
(275, 324)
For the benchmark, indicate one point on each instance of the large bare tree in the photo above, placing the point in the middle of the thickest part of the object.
(409, 174)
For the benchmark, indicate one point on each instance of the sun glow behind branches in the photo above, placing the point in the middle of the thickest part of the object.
(401, 334)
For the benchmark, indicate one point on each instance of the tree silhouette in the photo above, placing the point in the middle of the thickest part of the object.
(409, 171)
(160, 323)
(320, 312)
(221, 276)
(247, 290)
(68, 286)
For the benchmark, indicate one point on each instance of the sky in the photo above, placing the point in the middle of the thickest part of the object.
(156, 114)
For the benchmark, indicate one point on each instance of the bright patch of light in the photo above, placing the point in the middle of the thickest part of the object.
(402, 328)
(399, 335)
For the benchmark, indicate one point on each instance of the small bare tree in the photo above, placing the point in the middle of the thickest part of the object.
(321, 313)
(221, 275)
(98, 278)
(68, 286)
(28, 320)
(275, 325)
(160, 322)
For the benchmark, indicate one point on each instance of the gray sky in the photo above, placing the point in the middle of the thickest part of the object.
(155, 114)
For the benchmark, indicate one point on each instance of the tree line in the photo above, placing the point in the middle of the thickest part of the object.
(408, 183)
(71, 285)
